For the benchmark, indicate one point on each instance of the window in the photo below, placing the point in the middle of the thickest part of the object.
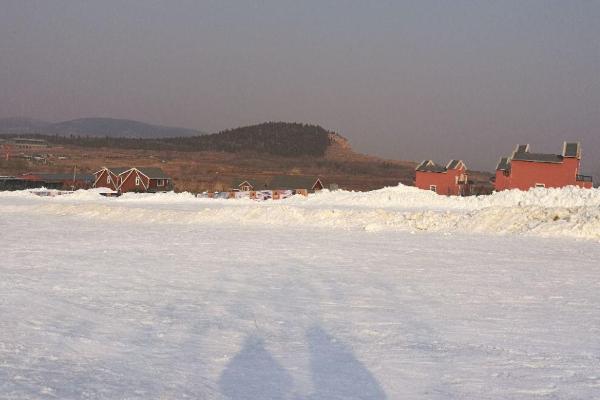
(433, 188)
(540, 185)
(160, 182)
(107, 178)
(137, 181)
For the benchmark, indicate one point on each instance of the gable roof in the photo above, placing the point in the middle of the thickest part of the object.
(150, 172)
(256, 184)
(456, 164)
(290, 182)
(114, 170)
(153, 173)
(571, 149)
(521, 148)
(424, 164)
(429, 166)
(503, 164)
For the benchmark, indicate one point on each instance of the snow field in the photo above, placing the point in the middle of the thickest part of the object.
(172, 297)
(102, 309)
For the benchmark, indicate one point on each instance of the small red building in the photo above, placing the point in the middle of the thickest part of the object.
(109, 177)
(144, 180)
(449, 180)
(524, 170)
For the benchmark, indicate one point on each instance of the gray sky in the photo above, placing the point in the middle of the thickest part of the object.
(405, 80)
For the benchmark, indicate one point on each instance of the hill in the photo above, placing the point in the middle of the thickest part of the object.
(92, 127)
(276, 138)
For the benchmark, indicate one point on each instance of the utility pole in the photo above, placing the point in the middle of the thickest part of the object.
(7, 149)
(74, 175)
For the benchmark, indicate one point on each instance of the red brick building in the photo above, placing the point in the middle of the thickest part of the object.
(449, 180)
(524, 170)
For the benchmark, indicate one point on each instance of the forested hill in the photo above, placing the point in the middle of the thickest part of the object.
(277, 138)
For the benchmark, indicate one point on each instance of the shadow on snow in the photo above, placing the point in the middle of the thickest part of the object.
(336, 373)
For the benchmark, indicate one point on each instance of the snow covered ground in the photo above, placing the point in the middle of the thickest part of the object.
(569, 212)
(393, 294)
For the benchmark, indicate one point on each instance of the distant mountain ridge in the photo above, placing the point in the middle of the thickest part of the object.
(92, 127)
(21, 125)
(288, 139)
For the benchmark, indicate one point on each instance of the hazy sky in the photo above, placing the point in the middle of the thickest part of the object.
(405, 80)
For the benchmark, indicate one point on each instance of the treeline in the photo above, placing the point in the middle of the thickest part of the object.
(276, 138)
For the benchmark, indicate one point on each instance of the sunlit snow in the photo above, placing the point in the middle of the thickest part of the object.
(392, 294)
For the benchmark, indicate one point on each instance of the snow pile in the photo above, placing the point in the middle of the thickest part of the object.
(409, 197)
(570, 212)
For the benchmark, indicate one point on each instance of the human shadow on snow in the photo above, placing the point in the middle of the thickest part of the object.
(336, 373)
(254, 374)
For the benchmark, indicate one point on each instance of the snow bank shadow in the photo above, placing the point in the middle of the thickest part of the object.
(336, 373)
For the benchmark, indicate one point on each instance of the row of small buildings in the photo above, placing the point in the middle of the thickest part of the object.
(294, 183)
(124, 180)
(152, 180)
(522, 170)
(119, 180)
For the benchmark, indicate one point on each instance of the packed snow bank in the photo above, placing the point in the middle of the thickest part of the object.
(569, 212)
(413, 198)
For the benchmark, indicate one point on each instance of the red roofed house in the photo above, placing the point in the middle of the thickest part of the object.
(524, 170)
(144, 180)
(449, 180)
